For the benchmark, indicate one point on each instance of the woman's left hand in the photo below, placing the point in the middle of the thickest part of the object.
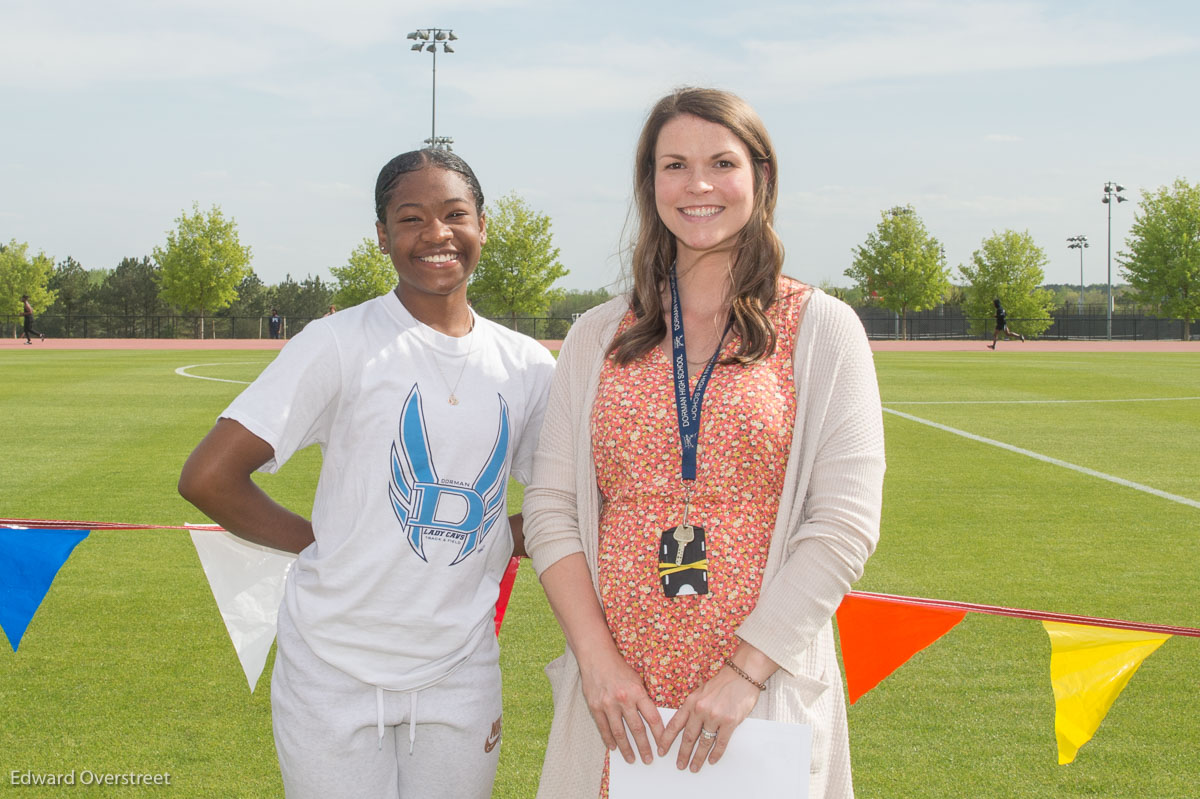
(718, 706)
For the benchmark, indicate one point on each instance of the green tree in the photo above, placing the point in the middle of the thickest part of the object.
(1008, 266)
(248, 313)
(131, 294)
(368, 273)
(567, 305)
(202, 263)
(22, 274)
(900, 265)
(518, 265)
(300, 302)
(832, 290)
(1163, 261)
(575, 301)
(73, 285)
(251, 298)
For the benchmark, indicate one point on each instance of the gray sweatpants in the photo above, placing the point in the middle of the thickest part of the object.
(339, 737)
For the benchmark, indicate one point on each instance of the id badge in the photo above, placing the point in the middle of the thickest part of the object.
(683, 561)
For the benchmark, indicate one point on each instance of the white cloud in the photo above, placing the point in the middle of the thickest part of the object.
(68, 43)
(903, 40)
(993, 206)
(586, 77)
(38, 57)
(799, 48)
(288, 107)
(802, 49)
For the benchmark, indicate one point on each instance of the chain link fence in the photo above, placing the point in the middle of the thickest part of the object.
(219, 327)
(949, 322)
(944, 322)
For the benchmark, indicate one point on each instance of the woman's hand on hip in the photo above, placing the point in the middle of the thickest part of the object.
(617, 699)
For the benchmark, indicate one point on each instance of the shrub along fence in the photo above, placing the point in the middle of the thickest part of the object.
(949, 322)
(943, 322)
(236, 327)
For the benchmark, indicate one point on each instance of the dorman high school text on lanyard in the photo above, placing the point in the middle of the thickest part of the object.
(683, 556)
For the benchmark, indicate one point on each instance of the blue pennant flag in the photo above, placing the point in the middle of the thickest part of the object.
(29, 560)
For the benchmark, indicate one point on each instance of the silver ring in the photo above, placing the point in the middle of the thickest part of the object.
(707, 735)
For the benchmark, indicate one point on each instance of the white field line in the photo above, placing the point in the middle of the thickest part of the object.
(183, 372)
(1037, 402)
(1047, 459)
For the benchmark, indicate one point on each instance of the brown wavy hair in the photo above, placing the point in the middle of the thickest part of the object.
(758, 252)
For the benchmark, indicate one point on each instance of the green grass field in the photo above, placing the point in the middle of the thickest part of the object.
(127, 666)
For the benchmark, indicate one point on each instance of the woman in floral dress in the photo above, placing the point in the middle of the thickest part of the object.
(707, 485)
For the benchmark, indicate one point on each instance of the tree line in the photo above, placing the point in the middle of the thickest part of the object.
(202, 270)
(902, 267)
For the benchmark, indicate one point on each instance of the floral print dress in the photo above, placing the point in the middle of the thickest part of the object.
(746, 422)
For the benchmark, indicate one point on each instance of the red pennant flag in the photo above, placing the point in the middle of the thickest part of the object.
(506, 587)
(879, 636)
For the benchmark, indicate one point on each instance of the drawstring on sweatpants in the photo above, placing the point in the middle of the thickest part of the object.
(412, 718)
(412, 721)
(379, 713)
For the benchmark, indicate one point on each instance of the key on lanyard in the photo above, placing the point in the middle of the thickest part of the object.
(684, 534)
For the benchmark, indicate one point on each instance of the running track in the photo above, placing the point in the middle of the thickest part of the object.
(950, 345)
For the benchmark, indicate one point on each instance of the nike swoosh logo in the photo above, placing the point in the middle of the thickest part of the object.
(494, 736)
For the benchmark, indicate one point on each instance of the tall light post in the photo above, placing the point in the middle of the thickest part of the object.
(1079, 243)
(427, 39)
(1112, 193)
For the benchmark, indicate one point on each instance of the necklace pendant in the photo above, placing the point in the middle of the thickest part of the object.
(453, 400)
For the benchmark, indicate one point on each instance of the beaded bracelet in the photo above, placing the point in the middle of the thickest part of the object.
(760, 686)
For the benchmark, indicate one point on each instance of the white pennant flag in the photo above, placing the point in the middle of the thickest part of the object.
(247, 582)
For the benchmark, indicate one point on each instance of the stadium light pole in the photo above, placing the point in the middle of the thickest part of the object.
(1112, 193)
(1079, 243)
(427, 40)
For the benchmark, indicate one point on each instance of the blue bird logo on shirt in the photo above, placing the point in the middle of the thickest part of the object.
(428, 507)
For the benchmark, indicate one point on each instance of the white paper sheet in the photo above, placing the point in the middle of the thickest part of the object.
(764, 759)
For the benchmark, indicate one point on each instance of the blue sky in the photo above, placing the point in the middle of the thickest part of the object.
(118, 115)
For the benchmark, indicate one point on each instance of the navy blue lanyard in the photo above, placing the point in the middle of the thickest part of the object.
(687, 406)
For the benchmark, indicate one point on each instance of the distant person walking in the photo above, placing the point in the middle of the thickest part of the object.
(27, 313)
(1002, 325)
(274, 323)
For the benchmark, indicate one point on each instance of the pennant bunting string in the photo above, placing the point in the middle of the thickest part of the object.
(58, 524)
(1039, 615)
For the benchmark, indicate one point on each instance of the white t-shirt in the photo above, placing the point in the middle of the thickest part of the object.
(410, 517)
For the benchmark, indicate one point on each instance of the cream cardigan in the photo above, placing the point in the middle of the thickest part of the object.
(827, 527)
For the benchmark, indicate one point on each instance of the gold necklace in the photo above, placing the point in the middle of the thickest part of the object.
(453, 399)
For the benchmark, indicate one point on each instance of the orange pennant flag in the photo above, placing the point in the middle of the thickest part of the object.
(1089, 667)
(879, 636)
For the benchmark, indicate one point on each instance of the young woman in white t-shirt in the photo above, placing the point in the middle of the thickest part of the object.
(386, 680)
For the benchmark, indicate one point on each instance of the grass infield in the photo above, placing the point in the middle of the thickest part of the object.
(127, 668)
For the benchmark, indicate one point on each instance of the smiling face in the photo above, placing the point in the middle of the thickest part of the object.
(703, 185)
(433, 234)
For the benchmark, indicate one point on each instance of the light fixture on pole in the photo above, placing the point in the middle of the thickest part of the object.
(1112, 193)
(427, 39)
(1079, 243)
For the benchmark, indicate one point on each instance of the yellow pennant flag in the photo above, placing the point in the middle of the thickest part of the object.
(1089, 667)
